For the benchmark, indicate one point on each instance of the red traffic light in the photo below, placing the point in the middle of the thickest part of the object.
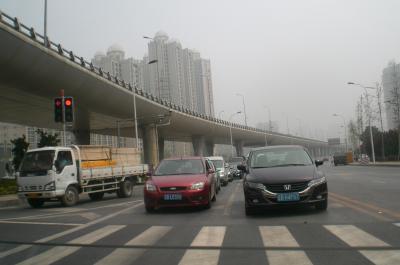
(68, 102)
(57, 102)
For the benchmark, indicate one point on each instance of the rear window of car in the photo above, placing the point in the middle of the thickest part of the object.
(180, 167)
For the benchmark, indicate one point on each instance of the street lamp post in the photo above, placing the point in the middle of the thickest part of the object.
(230, 130)
(244, 108)
(155, 61)
(220, 114)
(369, 117)
(45, 23)
(345, 128)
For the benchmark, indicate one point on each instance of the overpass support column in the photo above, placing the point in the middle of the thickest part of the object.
(239, 148)
(150, 144)
(160, 148)
(199, 145)
(81, 126)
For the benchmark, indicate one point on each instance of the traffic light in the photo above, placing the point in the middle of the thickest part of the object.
(69, 109)
(58, 110)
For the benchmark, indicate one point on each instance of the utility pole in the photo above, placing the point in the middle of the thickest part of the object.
(379, 91)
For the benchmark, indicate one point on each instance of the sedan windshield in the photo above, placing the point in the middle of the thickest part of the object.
(280, 157)
(37, 161)
(218, 163)
(180, 167)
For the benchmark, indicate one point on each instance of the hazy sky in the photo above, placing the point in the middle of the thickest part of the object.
(293, 56)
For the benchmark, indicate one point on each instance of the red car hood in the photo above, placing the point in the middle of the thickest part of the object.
(177, 180)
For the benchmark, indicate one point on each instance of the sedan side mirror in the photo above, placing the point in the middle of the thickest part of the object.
(319, 163)
(211, 171)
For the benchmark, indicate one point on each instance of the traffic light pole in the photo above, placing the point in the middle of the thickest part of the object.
(63, 121)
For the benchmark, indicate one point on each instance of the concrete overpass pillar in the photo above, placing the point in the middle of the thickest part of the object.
(239, 148)
(81, 126)
(150, 145)
(210, 149)
(161, 148)
(199, 145)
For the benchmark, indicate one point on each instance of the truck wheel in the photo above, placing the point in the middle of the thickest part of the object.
(96, 196)
(70, 197)
(36, 203)
(125, 189)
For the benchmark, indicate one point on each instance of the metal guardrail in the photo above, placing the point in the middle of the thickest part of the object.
(30, 32)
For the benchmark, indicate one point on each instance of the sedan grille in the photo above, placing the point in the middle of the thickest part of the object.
(280, 188)
(172, 188)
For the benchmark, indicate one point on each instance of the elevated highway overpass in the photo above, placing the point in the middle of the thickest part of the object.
(34, 70)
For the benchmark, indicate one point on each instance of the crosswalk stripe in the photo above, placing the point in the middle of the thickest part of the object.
(284, 257)
(208, 236)
(354, 236)
(397, 224)
(277, 236)
(127, 256)
(382, 257)
(200, 257)
(57, 253)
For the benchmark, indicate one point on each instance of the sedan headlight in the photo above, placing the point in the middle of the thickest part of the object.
(197, 186)
(150, 187)
(50, 186)
(254, 185)
(316, 182)
(221, 173)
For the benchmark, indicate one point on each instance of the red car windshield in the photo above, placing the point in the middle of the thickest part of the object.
(180, 167)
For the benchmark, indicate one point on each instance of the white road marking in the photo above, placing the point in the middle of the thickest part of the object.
(67, 232)
(354, 236)
(397, 224)
(284, 257)
(200, 257)
(211, 236)
(89, 215)
(277, 236)
(68, 211)
(54, 254)
(127, 256)
(38, 223)
(382, 257)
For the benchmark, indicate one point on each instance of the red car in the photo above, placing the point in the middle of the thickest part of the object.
(186, 181)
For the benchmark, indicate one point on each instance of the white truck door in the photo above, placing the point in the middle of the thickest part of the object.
(66, 169)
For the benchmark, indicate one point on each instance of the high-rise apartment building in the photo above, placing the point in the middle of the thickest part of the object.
(391, 84)
(169, 72)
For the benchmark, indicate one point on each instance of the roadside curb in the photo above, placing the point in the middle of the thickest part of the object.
(375, 165)
(9, 200)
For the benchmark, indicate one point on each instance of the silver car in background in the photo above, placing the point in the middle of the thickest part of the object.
(221, 170)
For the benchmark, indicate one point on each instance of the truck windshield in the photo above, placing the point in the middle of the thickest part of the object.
(37, 161)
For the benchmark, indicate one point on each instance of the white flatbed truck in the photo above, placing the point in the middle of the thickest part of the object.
(63, 173)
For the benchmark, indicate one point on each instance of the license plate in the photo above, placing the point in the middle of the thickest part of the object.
(33, 195)
(173, 197)
(288, 197)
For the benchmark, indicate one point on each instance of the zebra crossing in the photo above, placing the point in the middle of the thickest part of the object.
(279, 243)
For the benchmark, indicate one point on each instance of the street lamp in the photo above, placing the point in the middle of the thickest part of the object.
(369, 116)
(220, 114)
(244, 108)
(230, 129)
(344, 126)
(155, 61)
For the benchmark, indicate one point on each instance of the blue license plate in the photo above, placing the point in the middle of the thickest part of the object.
(288, 197)
(173, 197)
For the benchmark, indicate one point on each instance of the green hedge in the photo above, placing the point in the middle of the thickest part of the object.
(8, 186)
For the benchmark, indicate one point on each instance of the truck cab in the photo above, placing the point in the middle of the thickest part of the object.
(45, 173)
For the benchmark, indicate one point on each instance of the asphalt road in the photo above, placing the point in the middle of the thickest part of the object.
(361, 226)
